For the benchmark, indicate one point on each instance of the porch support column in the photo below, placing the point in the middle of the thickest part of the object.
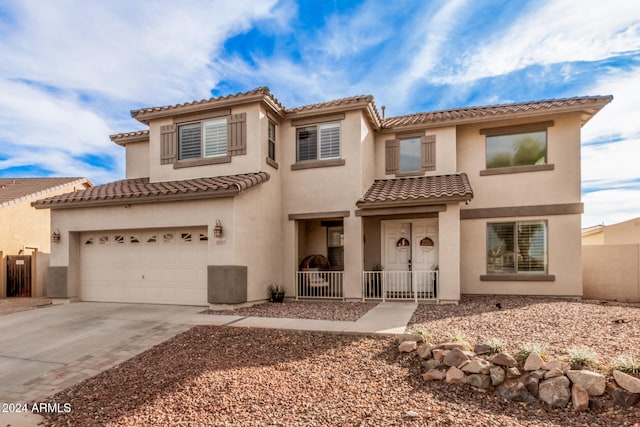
(353, 257)
(449, 253)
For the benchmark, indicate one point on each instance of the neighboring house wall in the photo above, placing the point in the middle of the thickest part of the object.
(623, 233)
(594, 238)
(551, 195)
(612, 272)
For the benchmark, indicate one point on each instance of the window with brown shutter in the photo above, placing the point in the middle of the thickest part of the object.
(392, 156)
(428, 152)
(237, 134)
(168, 144)
(410, 156)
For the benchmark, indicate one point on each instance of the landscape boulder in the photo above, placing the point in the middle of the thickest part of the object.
(407, 346)
(504, 359)
(455, 357)
(455, 376)
(555, 391)
(579, 398)
(514, 391)
(533, 362)
(627, 382)
(592, 382)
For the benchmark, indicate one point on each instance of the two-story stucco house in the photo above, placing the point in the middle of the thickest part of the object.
(227, 195)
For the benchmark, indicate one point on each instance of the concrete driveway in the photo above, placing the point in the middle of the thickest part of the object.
(46, 350)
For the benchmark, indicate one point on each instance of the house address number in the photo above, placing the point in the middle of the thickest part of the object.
(19, 262)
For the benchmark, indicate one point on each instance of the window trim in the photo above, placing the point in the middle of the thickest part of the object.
(318, 161)
(525, 274)
(421, 169)
(515, 130)
(271, 161)
(223, 122)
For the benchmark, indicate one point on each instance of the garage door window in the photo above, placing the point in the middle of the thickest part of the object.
(103, 240)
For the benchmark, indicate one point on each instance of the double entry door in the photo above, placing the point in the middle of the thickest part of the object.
(410, 255)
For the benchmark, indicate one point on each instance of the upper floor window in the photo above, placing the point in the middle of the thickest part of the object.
(205, 139)
(517, 149)
(410, 156)
(517, 247)
(318, 142)
(271, 138)
(215, 139)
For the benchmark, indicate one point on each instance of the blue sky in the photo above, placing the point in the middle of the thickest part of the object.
(71, 71)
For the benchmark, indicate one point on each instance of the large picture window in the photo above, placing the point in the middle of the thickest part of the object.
(318, 142)
(517, 247)
(205, 139)
(517, 149)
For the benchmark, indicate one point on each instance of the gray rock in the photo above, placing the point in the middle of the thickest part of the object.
(455, 376)
(479, 380)
(531, 382)
(627, 382)
(407, 346)
(555, 391)
(624, 398)
(504, 359)
(556, 364)
(538, 373)
(533, 362)
(513, 373)
(553, 373)
(431, 364)
(424, 351)
(455, 357)
(433, 374)
(482, 349)
(579, 398)
(450, 345)
(410, 337)
(439, 353)
(514, 391)
(497, 375)
(592, 382)
(477, 366)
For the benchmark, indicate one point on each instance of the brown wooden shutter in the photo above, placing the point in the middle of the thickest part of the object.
(428, 152)
(237, 134)
(392, 156)
(168, 144)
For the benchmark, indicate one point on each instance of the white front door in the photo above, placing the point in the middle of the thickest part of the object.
(408, 245)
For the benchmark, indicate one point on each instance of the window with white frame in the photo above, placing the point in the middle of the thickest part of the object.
(203, 139)
(517, 247)
(318, 142)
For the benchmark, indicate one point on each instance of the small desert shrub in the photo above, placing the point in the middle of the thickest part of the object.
(460, 337)
(496, 344)
(423, 333)
(627, 363)
(531, 347)
(582, 357)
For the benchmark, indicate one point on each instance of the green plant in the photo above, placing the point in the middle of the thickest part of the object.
(627, 363)
(531, 347)
(496, 344)
(460, 337)
(582, 357)
(423, 333)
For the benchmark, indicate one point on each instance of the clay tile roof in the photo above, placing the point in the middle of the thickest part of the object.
(126, 137)
(333, 103)
(426, 189)
(15, 190)
(589, 103)
(143, 114)
(140, 190)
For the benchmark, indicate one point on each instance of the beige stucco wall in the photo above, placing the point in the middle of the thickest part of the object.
(612, 272)
(623, 233)
(564, 259)
(593, 239)
(137, 160)
(449, 257)
(560, 185)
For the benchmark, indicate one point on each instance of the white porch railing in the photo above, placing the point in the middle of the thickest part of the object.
(319, 284)
(400, 285)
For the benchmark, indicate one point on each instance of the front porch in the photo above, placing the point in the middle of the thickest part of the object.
(376, 285)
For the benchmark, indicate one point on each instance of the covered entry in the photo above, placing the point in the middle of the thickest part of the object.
(144, 266)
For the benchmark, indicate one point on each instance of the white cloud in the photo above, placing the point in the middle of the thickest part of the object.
(610, 206)
(552, 33)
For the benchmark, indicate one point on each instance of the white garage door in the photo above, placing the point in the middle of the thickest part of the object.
(160, 266)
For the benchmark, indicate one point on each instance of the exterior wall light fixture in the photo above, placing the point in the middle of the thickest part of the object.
(55, 236)
(217, 230)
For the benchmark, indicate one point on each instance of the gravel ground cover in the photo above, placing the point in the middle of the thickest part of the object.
(317, 310)
(17, 304)
(610, 329)
(225, 376)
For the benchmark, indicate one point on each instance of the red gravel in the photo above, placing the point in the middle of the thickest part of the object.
(225, 376)
(319, 310)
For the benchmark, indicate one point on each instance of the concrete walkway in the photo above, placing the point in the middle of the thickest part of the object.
(47, 350)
